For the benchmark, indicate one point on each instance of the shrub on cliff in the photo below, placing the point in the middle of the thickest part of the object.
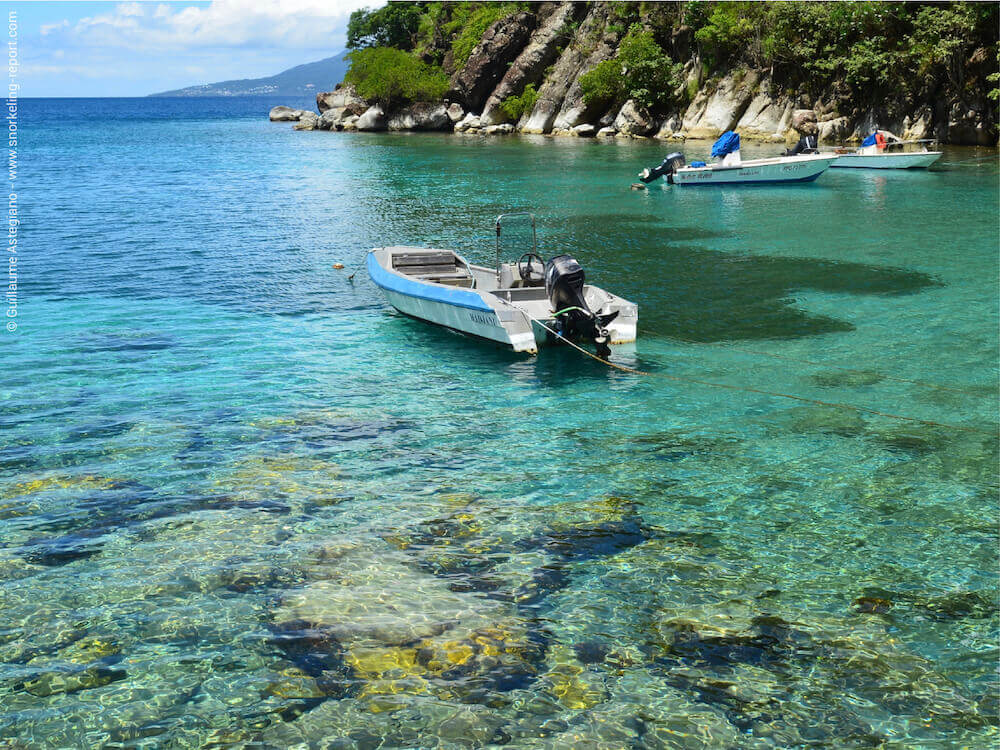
(393, 77)
(641, 71)
(515, 106)
(469, 21)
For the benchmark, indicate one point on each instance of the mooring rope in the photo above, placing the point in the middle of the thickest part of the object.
(776, 394)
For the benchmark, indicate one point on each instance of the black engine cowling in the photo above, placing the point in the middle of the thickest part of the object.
(667, 167)
(564, 280)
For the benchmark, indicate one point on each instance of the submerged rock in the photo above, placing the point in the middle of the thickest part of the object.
(847, 378)
(52, 682)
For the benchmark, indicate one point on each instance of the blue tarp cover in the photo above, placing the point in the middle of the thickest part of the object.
(697, 164)
(870, 140)
(727, 143)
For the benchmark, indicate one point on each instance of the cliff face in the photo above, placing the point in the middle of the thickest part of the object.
(545, 49)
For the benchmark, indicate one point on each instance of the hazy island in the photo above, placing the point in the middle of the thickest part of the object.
(302, 80)
(670, 70)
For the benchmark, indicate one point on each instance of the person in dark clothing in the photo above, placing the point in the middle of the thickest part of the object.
(807, 145)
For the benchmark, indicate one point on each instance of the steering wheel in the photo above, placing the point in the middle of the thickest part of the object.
(528, 270)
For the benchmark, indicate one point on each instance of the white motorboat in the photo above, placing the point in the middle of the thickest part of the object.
(730, 169)
(520, 305)
(878, 152)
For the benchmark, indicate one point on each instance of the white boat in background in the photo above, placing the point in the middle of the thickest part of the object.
(879, 152)
(732, 170)
(519, 304)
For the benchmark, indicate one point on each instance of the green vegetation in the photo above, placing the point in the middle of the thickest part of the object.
(469, 22)
(391, 26)
(641, 71)
(515, 106)
(873, 48)
(392, 77)
(860, 52)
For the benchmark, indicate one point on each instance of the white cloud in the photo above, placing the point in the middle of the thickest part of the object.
(285, 24)
(47, 28)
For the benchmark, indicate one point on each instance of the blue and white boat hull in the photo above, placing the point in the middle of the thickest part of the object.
(472, 301)
(782, 169)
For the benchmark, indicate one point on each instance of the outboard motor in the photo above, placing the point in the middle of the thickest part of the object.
(667, 167)
(564, 280)
(806, 145)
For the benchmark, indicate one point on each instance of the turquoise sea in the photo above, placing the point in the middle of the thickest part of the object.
(245, 504)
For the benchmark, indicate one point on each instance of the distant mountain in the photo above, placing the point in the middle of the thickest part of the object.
(307, 79)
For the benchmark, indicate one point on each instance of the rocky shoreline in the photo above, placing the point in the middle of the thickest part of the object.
(534, 49)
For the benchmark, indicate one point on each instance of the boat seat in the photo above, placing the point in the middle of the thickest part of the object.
(405, 260)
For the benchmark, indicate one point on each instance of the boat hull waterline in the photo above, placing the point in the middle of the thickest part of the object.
(756, 171)
(485, 310)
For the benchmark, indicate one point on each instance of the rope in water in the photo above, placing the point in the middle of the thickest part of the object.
(923, 383)
(776, 394)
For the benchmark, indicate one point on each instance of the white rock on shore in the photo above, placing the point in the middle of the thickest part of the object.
(307, 121)
(281, 113)
(372, 119)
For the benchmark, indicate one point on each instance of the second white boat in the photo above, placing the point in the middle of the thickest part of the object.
(878, 152)
(731, 169)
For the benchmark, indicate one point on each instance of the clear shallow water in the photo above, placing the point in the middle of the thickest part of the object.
(244, 502)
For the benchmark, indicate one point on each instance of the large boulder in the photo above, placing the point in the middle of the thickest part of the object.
(970, 125)
(504, 129)
(307, 121)
(586, 130)
(541, 51)
(766, 118)
(804, 122)
(835, 130)
(372, 119)
(630, 121)
(490, 59)
(919, 124)
(344, 98)
(567, 69)
(421, 116)
(574, 109)
(455, 112)
(281, 113)
(711, 114)
(670, 129)
(330, 120)
(469, 122)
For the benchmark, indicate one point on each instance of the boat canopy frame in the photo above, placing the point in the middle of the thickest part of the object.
(534, 235)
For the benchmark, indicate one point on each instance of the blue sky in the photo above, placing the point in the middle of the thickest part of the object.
(137, 48)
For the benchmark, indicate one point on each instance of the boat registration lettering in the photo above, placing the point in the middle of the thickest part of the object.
(749, 172)
(792, 167)
(485, 320)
